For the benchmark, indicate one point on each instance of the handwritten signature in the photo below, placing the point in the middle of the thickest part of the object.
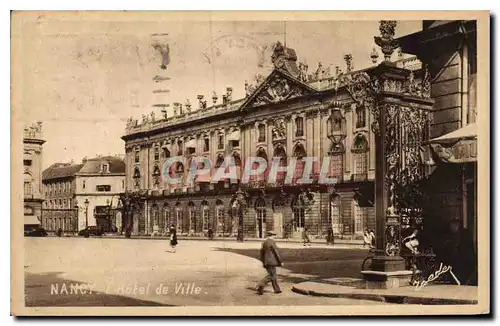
(434, 276)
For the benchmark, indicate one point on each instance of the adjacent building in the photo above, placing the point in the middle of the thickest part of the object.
(32, 174)
(449, 48)
(85, 194)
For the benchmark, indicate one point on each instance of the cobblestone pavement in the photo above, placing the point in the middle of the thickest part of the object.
(131, 272)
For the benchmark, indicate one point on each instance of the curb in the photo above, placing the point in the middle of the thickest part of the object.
(388, 298)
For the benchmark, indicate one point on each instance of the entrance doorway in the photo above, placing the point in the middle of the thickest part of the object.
(335, 214)
(278, 224)
(260, 212)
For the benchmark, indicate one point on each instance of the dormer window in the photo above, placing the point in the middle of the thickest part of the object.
(105, 167)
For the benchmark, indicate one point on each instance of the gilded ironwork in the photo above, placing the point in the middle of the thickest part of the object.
(406, 130)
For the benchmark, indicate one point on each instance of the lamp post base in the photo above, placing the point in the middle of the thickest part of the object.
(387, 272)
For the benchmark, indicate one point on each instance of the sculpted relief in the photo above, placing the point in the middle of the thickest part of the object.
(278, 89)
(279, 129)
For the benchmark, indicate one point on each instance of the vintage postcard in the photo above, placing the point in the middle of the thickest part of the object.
(250, 163)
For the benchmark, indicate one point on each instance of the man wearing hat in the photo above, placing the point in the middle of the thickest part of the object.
(270, 259)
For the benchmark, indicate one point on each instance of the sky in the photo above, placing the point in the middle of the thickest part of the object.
(83, 75)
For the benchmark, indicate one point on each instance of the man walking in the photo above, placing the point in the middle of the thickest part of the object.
(270, 259)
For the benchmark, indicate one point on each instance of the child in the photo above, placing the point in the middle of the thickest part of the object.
(367, 239)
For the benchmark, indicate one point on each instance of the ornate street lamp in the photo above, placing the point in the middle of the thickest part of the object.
(239, 207)
(86, 202)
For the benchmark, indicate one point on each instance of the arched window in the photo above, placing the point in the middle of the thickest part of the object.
(237, 163)
(28, 184)
(218, 163)
(205, 216)
(262, 133)
(299, 127)
(260, 209)
(280, 152)
(219, 215)
(336, 155)
(299, 152)
(156, 176)
(136, 177)
(192, 217)
(298, 211)
(360, 117)
(261, 152)
(360, 151)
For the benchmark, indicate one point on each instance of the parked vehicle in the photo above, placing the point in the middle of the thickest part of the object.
(35, 232)
(91, 230)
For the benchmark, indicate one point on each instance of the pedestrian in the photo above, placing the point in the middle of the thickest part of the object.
(173, 237)
(210, 233)
(59, 232)
(372, 236)
(366, 238)
(271, 259)
(330, 239)
(305, 238)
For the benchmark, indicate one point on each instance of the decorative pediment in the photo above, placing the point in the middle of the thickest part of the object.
(277, 87)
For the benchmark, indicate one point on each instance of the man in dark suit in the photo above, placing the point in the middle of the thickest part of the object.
(270, 259)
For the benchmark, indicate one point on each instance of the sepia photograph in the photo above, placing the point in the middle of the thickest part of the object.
(239, 163)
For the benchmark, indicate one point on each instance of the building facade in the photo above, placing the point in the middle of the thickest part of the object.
(32, 174)
(288, 114)
(449, 48)
(86, 194)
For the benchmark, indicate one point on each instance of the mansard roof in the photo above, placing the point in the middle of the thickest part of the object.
(279, 86)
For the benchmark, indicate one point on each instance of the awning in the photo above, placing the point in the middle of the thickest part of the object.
(469, 131)
(459, 146)
(235, 135)
(31, 220)
(191, 143)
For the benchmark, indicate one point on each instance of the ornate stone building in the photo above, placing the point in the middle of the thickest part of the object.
(32, 174)
(289, 113)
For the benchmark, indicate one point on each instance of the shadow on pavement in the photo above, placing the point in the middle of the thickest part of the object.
(37, 290)
(315, 262)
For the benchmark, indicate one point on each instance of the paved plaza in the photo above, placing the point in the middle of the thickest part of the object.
(136, 272)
